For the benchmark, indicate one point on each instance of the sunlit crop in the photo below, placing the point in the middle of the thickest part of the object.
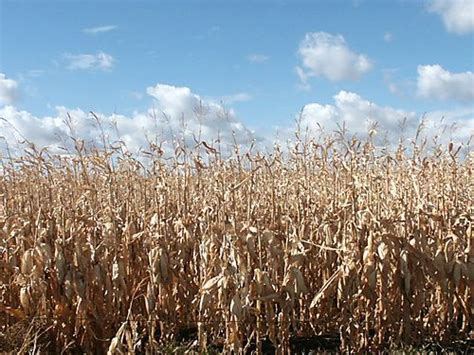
(100, 251)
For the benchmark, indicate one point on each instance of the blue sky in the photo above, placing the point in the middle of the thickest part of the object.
(102, 56)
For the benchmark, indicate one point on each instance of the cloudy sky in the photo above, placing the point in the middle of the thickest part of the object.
(234, 68)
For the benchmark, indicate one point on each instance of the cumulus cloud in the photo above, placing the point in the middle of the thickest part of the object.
(43, 131)
(327, 55)
(359, 115)
(8, 90)
(435, 82)
(207, 117)
(457, 15)
(98, 61)
(257, 58)
(455, 124)
(177, 114)
(99, 29)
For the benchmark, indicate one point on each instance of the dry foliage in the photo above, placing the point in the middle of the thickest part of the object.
(102, 253)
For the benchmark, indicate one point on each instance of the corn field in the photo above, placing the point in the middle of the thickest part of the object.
(100, 252)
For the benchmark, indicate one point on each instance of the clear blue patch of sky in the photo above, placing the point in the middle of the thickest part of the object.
(204, 45)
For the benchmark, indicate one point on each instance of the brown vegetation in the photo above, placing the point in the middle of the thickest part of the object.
(99, 252)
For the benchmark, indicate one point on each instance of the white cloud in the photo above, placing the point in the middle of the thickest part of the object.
(358, 115)
(458, 122)
(303, 83)
(208, 117)
(99, 61)
(257, 58)
(43, 131)
(99, 29)
(8, 90)
(176, 114)
(457, 15)
(434, 82)
(327, 55)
